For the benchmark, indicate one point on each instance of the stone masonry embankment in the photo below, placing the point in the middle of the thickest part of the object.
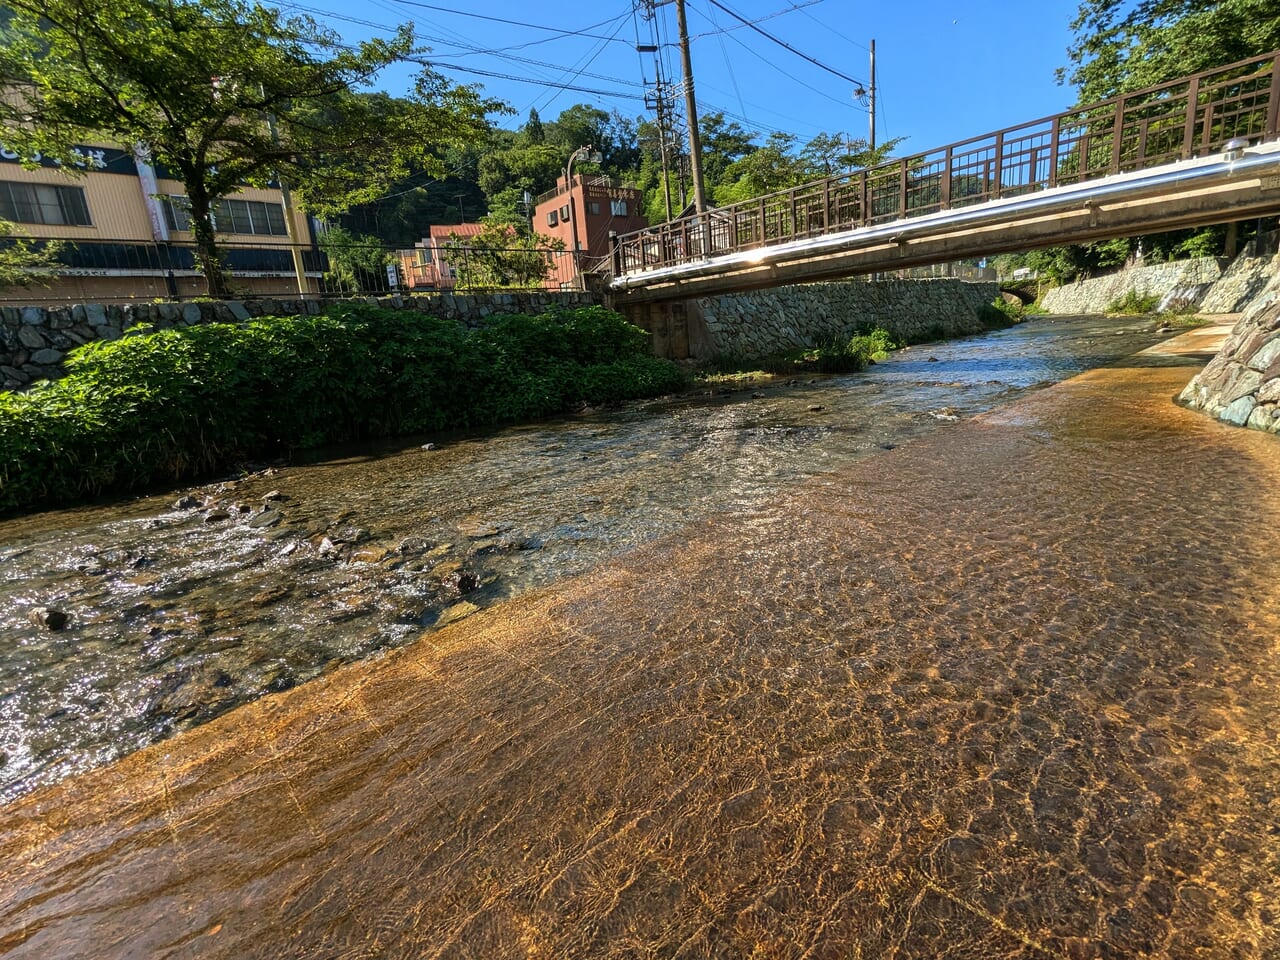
(34, 340)
(1241, 385)
(1185, 281)
(757, 323)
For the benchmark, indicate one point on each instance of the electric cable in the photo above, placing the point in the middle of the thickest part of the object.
(782, 43)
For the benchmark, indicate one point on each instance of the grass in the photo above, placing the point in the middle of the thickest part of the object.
(1134, 303)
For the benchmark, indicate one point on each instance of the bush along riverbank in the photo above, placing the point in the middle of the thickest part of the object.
(163, 407)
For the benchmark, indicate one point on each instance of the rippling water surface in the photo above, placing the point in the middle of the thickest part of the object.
(1008, 691)
(176, 615)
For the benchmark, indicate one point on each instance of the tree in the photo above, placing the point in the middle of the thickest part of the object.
(533, 130)
(356, 262)
(828, 154)
(224, 93)
(25, 262)
(1123, 45)
(499, 257)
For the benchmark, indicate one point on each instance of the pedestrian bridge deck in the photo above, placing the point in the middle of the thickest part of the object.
(1192, 152)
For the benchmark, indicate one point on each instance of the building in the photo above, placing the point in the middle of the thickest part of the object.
(127, 233)
(425, 267)
(596, 206)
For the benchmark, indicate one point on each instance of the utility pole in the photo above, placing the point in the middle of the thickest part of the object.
(873, 94)
(691, 110)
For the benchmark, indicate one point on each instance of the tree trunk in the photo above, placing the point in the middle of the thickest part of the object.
(208, 259)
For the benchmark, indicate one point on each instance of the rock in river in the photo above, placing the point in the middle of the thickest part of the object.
(48, 617)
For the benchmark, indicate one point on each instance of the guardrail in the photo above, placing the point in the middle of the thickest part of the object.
(1178, 120)
(103, 271)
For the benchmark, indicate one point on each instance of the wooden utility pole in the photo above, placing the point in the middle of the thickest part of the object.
(691, 109)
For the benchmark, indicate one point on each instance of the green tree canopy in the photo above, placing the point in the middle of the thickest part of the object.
(1122, 45)
(196, 82)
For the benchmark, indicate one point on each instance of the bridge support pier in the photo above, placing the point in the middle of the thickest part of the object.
(674, 327)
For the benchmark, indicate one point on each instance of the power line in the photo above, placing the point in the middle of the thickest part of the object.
(768, 16)
(577, 72)
(782, 43)
(789, 76)
(514, 23)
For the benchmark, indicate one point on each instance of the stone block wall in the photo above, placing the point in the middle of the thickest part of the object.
(1239, 285)
(1241, 385)
(762, 322)
(34, 340)
(1184, 280)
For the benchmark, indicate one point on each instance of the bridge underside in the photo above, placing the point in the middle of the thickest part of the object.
(1195, 194)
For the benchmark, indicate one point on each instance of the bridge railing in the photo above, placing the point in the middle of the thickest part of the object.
(1190, 117)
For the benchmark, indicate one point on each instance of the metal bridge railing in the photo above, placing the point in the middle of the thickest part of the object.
(1178, 120)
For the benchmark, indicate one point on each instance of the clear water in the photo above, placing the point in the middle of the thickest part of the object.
(175, 619)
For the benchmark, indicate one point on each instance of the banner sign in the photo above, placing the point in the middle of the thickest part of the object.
(99, 159)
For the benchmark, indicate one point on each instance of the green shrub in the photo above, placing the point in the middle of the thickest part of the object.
(162, 407)
(1134, 303)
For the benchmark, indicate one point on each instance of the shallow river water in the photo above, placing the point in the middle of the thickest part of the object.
(1009, 690)
(179, 614)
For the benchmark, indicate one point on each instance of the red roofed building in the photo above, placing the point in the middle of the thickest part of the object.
(425, 267)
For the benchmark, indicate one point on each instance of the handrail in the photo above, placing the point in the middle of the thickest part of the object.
(1171, 121)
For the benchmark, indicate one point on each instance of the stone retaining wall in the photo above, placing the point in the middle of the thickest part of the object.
(1186, 280)
(762, 322)
(34, 340)
(1240, 285)
(1241, 385)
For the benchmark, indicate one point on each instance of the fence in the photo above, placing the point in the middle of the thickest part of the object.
(106, 271)
(1178, 120)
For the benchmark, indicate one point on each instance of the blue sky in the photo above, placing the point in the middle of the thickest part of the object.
(946, 69)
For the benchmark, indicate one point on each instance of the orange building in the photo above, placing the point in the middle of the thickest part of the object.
(425, 267)
(128, 235)
(596, 206)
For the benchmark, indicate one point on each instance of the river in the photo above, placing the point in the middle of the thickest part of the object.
(177, 615)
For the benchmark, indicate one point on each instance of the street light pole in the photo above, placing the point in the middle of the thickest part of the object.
(595, 157)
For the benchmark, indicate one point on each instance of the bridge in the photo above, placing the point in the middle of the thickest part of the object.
(1187, 153)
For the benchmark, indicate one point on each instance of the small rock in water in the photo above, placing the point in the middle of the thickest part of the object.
(267, 518)
(461, 582)
(243, 508)
(887, 446)
(757, 396)
(48, 617)
(456, 612)
(815, 408)
(216, 516)
(370, 554)
(477, 528)
(945, 413)
(428, 446)
(187, 503)
(274, 495)
(933, 359)
(327, 547)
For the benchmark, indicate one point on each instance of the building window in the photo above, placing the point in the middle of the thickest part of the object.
(231, 216)
(552, 218)
(177, 213)
(251, 216)
(618, 208)
(593, 208)
(45, 203)
(564, 212)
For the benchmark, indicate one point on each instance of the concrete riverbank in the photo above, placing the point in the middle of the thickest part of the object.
(1008, 690)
